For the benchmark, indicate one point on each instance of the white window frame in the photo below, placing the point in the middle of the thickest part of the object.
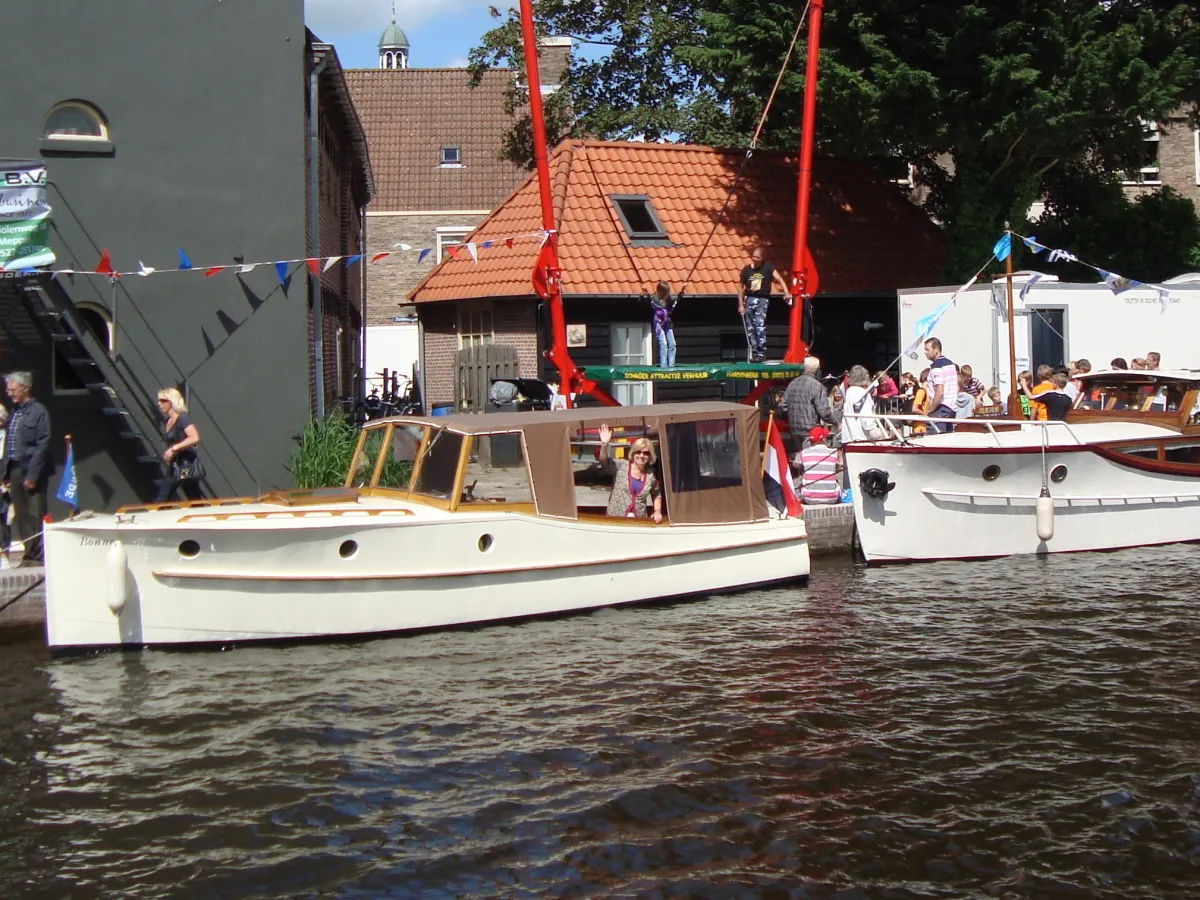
(1148, 175)
(448, 236)
(444, 163)
(91, 111)
(468, 335)
(1196, 145)
(624, 391)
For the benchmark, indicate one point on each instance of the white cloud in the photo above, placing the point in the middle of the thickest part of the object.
(329, 18)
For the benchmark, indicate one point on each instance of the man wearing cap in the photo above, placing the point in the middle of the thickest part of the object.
(806, 403)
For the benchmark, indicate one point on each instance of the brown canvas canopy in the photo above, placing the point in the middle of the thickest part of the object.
(700, 488)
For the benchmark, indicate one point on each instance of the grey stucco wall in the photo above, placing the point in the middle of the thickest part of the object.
(205, 102)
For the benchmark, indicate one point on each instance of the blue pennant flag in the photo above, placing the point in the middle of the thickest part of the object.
(184, 262)
(424, 253)
(924, 328)
(1003, 247)
(1032, 244)
(281, 269)
(68, 488)
(351, 260)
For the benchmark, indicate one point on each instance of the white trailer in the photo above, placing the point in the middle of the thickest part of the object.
(1054, 323)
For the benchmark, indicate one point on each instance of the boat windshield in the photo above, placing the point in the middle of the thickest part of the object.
(1122, 395)
(439, 466)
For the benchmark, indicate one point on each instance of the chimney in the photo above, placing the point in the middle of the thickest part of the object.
(553, 55)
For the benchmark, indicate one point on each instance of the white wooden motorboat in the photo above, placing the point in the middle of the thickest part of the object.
(1123, 470)
(422, 535)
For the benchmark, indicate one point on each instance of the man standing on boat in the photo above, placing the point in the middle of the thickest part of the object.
(942, 385)
(754, 293)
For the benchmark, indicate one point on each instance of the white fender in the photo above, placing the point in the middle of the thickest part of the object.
(1045, 517)
(115, 593)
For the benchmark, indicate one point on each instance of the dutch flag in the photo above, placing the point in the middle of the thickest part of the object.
(776, 469)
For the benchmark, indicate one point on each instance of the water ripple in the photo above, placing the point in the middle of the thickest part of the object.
(1013, 728)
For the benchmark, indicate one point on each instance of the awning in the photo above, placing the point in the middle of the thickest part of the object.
(703, 374)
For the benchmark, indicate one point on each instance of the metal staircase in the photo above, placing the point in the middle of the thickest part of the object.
(129, 408)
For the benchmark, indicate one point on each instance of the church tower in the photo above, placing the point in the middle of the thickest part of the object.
(393, 46)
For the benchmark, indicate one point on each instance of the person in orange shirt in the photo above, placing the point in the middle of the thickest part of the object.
(1039, 413)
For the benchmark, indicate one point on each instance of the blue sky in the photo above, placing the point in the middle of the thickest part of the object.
(441, 32)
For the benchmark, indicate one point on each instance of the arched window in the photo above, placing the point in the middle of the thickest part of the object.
(98, 322)
(75, 120)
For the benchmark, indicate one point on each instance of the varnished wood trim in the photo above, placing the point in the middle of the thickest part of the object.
(297, 514)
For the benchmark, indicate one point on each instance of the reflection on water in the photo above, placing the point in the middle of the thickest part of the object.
(1015, 728)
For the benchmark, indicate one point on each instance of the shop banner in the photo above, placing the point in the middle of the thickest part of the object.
(24, 216)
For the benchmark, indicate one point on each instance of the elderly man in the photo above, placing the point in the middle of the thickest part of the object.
(27, 463)
(806, 403)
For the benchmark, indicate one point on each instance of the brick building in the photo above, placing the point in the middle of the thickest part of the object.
(1172, 160)
(434, 142)
(629, 214)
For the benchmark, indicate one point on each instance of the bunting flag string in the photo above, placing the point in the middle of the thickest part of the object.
(1118, 284)
(318, 265)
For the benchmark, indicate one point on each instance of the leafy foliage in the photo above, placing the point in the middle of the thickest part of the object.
(324, 452)
(989, 100)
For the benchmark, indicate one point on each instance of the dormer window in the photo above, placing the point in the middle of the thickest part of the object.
(450, 158)
(75, 121)
(640, 221)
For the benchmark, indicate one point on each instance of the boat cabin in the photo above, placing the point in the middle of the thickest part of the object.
(548, 463)
(1165, 398)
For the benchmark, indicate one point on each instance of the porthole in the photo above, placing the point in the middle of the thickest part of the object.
(991, 473)
(1058, 474)
(189, 549)
(348, 550)
(485, 543)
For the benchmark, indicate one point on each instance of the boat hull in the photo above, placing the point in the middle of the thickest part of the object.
(252, 578)
(942, 507)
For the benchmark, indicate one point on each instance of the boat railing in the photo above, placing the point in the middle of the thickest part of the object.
(899, 427)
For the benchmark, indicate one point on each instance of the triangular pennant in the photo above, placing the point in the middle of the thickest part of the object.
(184, 262)
(209, 273)
(104, 267)
(424, 253)
(329, 263)
(314, 265)
(247, 268)
(351, 260)
(281, 270)
(378, 256)
(508, 242)
(145, 270)
(474, 251)
(401, 246)
(485, 245)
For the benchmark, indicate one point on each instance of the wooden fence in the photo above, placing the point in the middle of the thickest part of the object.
(475, 367)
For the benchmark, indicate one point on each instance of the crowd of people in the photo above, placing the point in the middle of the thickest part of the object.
(816, 407)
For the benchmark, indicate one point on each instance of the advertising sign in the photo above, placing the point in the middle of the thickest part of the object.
(24, 216)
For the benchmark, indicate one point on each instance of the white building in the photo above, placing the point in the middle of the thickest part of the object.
(1056, 322)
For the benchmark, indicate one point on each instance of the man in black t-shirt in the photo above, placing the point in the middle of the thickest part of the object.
(754, 294)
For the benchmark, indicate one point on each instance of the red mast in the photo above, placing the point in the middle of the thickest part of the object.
(547, 268)
(804, 271)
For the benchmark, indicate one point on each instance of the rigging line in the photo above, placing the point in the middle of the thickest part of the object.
(613, 219)
(762, 121)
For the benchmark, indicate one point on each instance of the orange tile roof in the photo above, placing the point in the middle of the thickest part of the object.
(865, 236)
(410, 114)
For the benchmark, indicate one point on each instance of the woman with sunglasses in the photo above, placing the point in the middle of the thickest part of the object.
(635, 492)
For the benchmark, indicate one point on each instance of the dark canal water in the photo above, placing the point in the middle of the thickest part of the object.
(1021, 728)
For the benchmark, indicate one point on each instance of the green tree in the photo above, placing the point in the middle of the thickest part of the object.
(988, 99)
